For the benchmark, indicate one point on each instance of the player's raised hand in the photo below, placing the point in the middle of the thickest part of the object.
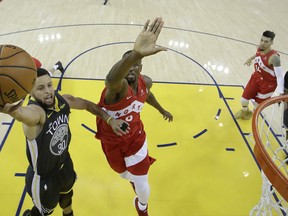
(145, 43)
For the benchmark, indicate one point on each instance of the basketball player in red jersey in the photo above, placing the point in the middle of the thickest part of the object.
(267, 79)
(125, 93)
(57, 66)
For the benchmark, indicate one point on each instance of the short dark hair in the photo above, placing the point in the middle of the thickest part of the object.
(269, 34)
(42, 72)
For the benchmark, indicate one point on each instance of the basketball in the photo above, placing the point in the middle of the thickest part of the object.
(17, 74)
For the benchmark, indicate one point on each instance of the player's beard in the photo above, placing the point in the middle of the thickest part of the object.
(44, 105)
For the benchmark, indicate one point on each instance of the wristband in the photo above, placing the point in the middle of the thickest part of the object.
(108, 120)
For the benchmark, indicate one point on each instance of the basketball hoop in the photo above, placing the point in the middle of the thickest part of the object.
(271, 152)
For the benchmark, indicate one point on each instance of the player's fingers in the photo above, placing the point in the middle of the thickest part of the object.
(118, 131)
(158, 26)
(151, 27)
(146, 25)
(121, 132)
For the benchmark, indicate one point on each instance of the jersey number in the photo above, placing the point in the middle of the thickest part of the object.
(257, 68)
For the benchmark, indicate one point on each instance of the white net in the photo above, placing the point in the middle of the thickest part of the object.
(271, 202)
(270, 124)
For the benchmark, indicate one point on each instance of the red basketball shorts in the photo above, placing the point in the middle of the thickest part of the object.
(259, 88)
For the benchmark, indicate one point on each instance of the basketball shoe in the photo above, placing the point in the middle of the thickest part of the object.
(140, 213)
(245, 115)
(27, 213)
(59, 66)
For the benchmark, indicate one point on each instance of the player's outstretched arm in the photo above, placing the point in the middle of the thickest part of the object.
(83, 104)
(249, 60)
(144, 45)
(151, 100)
(30, 115)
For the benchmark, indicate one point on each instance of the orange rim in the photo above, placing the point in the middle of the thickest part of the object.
(275, 176)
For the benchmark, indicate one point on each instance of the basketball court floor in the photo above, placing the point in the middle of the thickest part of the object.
(205, 163)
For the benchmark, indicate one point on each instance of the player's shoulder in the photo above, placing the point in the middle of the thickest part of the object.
(274, 55)
(274, 59)
(148, 81)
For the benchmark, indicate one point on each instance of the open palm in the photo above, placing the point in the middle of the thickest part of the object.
(145, 43)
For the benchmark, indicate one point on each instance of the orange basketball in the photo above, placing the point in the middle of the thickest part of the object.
(17, 74)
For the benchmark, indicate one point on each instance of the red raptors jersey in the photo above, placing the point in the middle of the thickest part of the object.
(128, 109)
(262, 67)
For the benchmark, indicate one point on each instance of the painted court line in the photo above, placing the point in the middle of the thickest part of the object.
(7, 132)
(20, 174)
(21, 202)
(89, 129)
(218, 114)
(166, 145)
(199, 134)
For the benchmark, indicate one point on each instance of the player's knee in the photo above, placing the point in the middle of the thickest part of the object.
(142, 187)
(126, 175)
(66, 199)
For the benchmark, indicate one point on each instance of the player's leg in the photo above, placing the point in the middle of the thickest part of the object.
(142, 189)
(65, 203)
(135, 169)
(58, 66)
(67, 178)
(33, 212)
(45, 194)
(250, 92)
(137, 172)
